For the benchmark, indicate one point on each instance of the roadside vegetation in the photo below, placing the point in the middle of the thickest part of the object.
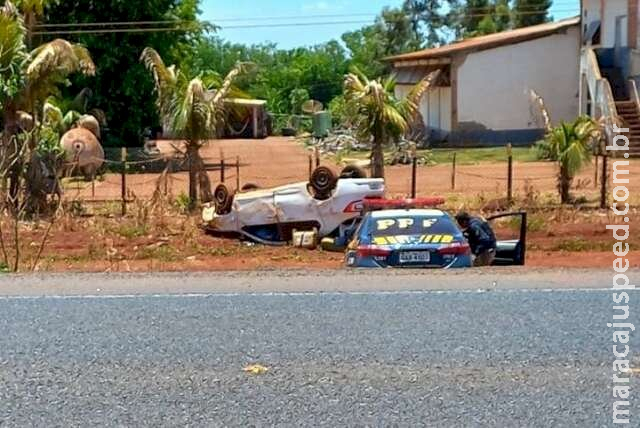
(161, 237)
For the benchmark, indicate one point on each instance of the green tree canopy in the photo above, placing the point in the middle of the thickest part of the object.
(319, 69)
(530, 12)
(121, 85)
(391, 34)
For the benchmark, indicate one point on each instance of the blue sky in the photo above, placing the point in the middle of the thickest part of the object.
(352, 13)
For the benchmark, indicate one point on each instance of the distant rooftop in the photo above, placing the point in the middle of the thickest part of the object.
(490, 41)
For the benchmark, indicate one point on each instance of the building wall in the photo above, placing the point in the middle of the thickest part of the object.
(435, 108)
(591, 12)
(493, 87)
(612, 10)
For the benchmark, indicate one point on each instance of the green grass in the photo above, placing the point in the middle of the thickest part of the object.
(481, 155)
(470, 156)
(131, 231)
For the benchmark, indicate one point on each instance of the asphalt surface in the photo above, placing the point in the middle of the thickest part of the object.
(396, 358)
(292, 281)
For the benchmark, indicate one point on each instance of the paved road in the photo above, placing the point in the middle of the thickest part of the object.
(480, 358)
(304, 281)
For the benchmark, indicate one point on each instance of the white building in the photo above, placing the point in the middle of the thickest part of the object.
(483, 96)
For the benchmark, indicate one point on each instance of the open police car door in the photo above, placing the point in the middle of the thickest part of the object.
(511, 251)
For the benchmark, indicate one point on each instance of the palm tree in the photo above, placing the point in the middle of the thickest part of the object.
(571, 146)
(192, 109)
(27, 79)
(378, 115)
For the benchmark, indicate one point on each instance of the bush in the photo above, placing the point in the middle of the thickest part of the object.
(183, 202)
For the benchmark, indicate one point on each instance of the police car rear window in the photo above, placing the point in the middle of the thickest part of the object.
(413, 225)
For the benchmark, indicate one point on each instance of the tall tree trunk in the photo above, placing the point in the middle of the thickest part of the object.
(377, 155)
(564, 185)
(193, 156)
(206, 195)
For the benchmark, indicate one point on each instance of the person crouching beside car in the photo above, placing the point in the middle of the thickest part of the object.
(481, 238)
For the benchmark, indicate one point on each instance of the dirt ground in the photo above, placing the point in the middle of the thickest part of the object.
(281, 160)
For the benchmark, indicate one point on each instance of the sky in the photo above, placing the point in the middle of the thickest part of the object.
(271, 20)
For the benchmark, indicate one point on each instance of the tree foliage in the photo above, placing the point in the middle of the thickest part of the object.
(392, 33)
(121, 85)
(530, 12)
(318, 70)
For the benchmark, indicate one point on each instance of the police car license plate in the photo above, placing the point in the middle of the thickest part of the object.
(415, 257)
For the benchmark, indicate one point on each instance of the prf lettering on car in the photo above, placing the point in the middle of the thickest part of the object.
(403, 223)
(383, 225)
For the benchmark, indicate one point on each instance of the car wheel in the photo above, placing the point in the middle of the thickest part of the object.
(223, 199)
(353, 171)
(322, 181)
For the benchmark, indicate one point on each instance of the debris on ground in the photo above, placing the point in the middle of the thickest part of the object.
(344, 141)
(256, 369)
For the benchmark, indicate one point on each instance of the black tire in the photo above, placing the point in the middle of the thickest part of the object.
(249, 187)
(223, 199)
(353, 171)
(322, 181)
(289, 132)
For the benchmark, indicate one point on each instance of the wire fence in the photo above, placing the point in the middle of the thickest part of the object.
(132, 177)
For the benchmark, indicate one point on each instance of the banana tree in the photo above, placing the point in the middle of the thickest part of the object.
(192, 109)
(378, 114)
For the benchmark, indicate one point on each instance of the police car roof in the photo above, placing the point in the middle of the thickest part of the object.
(409, 212)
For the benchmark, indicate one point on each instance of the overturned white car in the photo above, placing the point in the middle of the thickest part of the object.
(270, 216)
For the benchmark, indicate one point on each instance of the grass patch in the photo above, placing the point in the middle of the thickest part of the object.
(131, 231)
(482, 155)
(164, 254)
(471, 156)
(584, 245)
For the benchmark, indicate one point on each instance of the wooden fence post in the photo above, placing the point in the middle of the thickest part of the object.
(310, 165)
(317, 155)
(237, 173)
(509, 174)
(453, 173)
(604, 177)
(595, 172)
(414, 176)
(222, 166)
(123, 189)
